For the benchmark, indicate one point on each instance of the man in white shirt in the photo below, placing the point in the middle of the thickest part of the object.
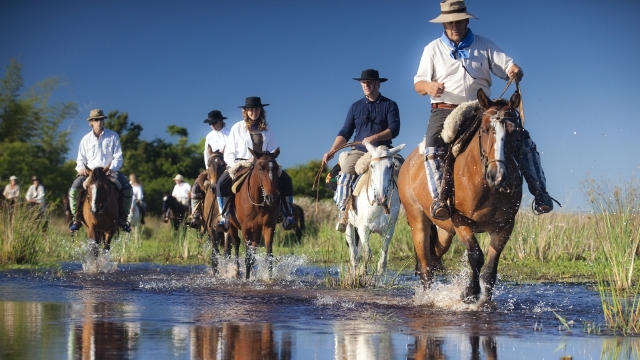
(182, 190)
(452, 70)
(215, 140)
(100, 148)
(35, 194)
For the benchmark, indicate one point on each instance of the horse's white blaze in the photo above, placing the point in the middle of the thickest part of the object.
(271, 171)
(380, 195)
(94, 193)
(499, 149)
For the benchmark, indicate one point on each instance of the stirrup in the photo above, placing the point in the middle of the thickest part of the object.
(542, 204)
(195, 223)
(440, 210)
(288, 223)
(75, 225)
(124, 226)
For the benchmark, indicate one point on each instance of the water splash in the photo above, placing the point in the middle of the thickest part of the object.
(92, 264)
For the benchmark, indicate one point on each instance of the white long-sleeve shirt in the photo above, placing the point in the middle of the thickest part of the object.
(100, 151)
(36, 193)
(217, 140)
(239, 142)
(485, 58)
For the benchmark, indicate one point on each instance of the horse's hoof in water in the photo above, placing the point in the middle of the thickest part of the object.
(469, 298)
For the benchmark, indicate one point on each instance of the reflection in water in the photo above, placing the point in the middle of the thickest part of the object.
(171, 312)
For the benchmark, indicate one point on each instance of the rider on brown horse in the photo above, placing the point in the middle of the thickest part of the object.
(452, 69)
(252, 133)
(100, 148)
(215, 141)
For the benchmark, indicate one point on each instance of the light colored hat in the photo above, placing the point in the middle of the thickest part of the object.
(96, 114)
(13, 177)
(452, 10)
(179, 177)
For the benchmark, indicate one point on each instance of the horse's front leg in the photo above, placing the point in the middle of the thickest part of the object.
(476, 259)
(268, 245)
(250, 256)
(352, 241)
(490, 272)
(387, 236)
(364, 232)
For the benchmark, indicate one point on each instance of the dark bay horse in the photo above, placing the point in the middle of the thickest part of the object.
(173, 211)
(215, 167)
(100, 208)
(487, 189)
(256, 207)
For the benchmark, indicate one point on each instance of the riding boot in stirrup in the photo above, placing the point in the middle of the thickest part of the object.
(343, 191)
(533, 174)
(287, 208)
(223, 221)
(196, 221)
(74, 199)
(433, 166)
(126, 200)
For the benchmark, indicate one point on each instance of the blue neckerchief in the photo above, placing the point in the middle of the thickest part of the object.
(461, 50)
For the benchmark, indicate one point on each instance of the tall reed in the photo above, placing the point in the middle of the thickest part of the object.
(617, 211)
(22, 231)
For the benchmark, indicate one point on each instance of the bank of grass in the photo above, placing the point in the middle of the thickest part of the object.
(559, 246)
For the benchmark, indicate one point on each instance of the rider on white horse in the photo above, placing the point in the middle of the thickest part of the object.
(375, 119)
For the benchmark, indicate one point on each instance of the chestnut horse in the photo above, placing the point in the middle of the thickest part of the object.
(100, 208)
(256, 207)
(215, 167)
(487, 189)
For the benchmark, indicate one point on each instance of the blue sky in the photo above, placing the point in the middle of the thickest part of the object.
(171, 62)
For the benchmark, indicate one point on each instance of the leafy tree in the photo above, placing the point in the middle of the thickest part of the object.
(31, 141)
(303, 177)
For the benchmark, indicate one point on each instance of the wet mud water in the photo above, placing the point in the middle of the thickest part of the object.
(149, 311)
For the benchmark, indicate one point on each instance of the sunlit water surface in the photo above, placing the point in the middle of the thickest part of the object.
(147, 311)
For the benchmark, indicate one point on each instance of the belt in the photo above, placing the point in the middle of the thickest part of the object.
(442, 105)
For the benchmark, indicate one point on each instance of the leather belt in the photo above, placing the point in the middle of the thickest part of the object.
(442, 105)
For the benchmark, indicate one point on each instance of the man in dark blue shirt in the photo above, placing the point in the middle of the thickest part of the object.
(375, 119)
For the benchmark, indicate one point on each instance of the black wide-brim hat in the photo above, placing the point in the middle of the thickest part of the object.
(253, 102)
(214, 116)
(370, 74)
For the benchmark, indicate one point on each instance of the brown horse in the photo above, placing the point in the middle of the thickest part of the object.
(215, 167)
(487, 189)
(256, 207)
(100, 208)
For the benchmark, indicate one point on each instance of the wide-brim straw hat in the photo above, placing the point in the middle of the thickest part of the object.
(370, 74)
(179, 177)
(214, 116)
(253, 102)
(452, 10)
(96, 114)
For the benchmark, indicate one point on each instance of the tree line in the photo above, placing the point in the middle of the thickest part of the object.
(33, 142)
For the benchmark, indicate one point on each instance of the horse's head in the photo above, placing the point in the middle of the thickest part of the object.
(383, 169)
(266, 173)
(499, 136)
(98, 189)
(215, 164)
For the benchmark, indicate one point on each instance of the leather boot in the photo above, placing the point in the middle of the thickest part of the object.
(196, 217)
(433, 165)
(531, 168)
(287, 208)
(74, 199)
(223, 221)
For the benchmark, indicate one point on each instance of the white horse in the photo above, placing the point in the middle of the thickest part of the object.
(377, 204)
(134, 219)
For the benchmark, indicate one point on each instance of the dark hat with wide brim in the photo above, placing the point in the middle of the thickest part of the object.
(253, 102)
(214, 116)
(370, 74)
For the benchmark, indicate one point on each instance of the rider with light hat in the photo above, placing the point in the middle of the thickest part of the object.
(100, 148)
(452, 70)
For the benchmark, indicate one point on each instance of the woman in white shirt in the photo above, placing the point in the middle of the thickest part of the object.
(138, 195)
(11, 192)
(252, 132)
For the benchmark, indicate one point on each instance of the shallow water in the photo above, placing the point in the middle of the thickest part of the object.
(147, 311)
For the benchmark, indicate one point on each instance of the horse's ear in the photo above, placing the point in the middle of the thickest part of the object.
(254, 153)
(209, 150)
(369, 146)
(514, 102)
(483, 99)
(276, 152)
